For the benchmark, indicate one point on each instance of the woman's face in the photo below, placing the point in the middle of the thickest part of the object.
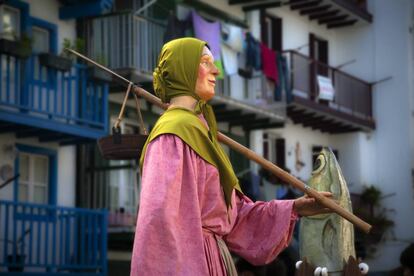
(207, 72)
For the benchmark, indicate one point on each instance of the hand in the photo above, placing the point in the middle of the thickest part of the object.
(308, 206)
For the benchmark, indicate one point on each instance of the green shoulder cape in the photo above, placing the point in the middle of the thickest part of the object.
(186, 125)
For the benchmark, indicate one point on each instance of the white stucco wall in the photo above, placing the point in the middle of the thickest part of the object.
(66, 192)
(49, 10)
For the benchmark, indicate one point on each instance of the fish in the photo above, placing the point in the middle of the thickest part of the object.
(327, 240)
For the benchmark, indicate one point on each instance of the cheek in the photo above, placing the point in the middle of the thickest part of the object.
(202, 74)
(203, 90)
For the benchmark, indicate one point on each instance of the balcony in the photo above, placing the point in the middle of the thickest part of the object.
(131, 45)
(350, 110)
(47, 239)
(68, 107)
(332, 13)
(127, 44)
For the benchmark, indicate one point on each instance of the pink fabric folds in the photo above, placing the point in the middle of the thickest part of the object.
(182, 212)
(269, 62)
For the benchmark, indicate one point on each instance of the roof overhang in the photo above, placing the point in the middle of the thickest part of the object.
(332, 13)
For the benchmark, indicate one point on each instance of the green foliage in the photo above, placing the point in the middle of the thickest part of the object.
(78, 45)
(370, 210)
(25, 48)
(371, 195)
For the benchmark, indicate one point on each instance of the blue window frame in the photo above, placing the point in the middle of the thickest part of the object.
(52, 175)
(25, 24)
(51, 28)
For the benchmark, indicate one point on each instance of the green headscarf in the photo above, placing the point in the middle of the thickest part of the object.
(177, 72)
(176, 75)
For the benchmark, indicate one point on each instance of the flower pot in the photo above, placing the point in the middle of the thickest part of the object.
(99, 75)
(18, 265)
(13, 48)
(56, 62)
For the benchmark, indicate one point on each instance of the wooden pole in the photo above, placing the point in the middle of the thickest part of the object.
(288, 178)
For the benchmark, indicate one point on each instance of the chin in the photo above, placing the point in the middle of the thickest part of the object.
(206, 96)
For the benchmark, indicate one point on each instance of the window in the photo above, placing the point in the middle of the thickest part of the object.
(271, 31)
(41, 40)
(9, 23)
(274, 149)
(34, 178)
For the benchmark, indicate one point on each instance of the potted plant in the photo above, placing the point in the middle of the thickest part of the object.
(58, 62)
(64, 61)
(98, 74)
(13, 45)
(369, 209)
(15, 262)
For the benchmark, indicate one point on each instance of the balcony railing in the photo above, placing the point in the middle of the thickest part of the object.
(51, 239)
(352, 95)
(70, 98)
(125, 41)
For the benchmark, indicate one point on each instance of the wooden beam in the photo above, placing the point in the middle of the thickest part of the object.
(240, 120)
(333, 19)
(29, 132)
(322, 15)
(237, 2)
(315, 9)
(326, 122)
(272, 4)
(215, 12)
(54, 137)
(227, 113)
(347, 130)
(6, 127)
(219, 106)
(264, 126)
(305, 4)
(76, 141)
(313, 118)
(258, 122)
(342, 24)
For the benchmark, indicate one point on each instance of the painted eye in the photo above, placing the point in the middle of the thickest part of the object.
(363, 267)
(319, 164)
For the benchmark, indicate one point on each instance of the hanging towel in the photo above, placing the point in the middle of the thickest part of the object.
(283, 83)
(229, 59)
(232, 36)
(253, 53)
(219, 66)
(269, 62)
(209, 32)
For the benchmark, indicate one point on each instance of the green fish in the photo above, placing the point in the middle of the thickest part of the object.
(327, 240)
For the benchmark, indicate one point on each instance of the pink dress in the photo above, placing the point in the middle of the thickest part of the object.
(182, 212)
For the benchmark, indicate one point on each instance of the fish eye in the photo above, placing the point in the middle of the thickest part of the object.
(319, 164)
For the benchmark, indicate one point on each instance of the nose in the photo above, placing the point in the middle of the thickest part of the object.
(215, 71)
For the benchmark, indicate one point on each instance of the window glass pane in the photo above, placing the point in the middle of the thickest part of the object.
(40, 170)
(23, 192)
(40, 40)
(24, 167)
(10, 23)
(114, 197)
(39, 195)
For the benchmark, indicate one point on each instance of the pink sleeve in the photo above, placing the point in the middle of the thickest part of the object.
(168, 237)
(262, 229)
